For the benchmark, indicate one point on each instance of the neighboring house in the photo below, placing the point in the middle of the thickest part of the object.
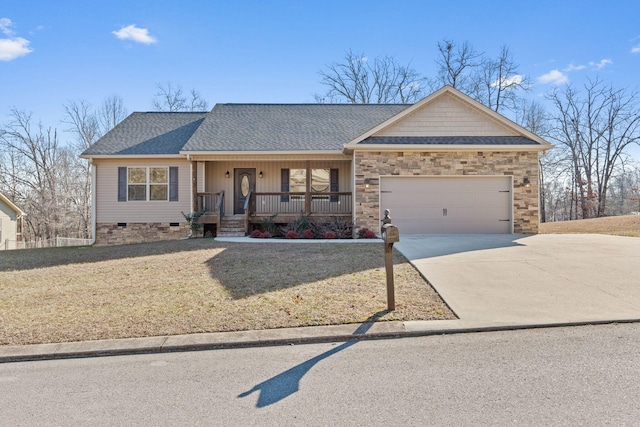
(446, 164)
(11, 223)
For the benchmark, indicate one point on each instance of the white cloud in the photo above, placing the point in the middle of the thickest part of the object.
(5, 23)
(603, 63)
(131, 32)
(12, 47)
(555, 77)
(508, 81)
(635, 49)
(572, 67)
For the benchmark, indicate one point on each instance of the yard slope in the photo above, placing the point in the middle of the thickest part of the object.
(627, 225)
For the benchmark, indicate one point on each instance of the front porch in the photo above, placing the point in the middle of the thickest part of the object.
(280, 207)
(252, 192)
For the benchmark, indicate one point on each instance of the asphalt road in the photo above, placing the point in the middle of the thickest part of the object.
(587, 375)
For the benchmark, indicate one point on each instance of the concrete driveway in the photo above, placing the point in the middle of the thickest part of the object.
(498, 280)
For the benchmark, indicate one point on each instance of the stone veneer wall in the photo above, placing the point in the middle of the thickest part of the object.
(372, 165)
(137, 232)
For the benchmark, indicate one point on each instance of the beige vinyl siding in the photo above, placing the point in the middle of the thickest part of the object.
(8, 224)
(270, 182)
(447, 116)
(109, 209)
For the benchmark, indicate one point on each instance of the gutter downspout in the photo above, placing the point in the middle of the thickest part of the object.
(93, 202)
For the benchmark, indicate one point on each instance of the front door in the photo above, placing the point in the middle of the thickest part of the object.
(244, 181)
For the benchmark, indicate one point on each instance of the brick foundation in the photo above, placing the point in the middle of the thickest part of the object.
(371, 165)
(137, 232)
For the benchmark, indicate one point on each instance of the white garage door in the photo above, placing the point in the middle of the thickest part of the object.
(448, 205)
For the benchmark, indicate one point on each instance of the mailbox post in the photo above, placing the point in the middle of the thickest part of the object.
(390, 235)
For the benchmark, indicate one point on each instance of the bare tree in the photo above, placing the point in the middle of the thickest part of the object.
(83, 123)
(171, 98)
(359, 80)
(596, 129)
(497, 82)
(32, 172)
(457, 64)
(111, 112)
(88, 126)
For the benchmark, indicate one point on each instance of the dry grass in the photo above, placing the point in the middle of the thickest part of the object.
(200, 285)
(628, 225)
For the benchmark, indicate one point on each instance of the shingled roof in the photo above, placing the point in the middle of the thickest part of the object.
(244, 128)
(286, 127)
(148, 134)
(281, 128)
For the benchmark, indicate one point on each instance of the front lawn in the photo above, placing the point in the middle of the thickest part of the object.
(200, 285)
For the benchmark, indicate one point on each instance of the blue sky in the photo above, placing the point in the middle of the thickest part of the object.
(52, 52)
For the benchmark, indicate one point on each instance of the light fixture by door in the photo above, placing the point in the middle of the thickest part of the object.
(226, 175)
(260, 175)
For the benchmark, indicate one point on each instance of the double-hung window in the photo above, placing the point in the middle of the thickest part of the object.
(147, 184)
(322, 181)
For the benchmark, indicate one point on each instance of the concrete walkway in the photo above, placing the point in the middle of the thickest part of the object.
(492, 282)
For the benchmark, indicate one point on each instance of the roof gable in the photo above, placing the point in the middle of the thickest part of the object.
(10, 204)
(446, 113)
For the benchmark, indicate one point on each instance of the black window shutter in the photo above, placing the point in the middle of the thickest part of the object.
(333, 184)
(284, 184)
(122, 184)
(173, 184)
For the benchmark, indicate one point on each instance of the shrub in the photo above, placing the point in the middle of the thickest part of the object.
(291, 234)
(193, 220)
(365, 233)
(302, 223)
(269, 225)
(266, 235)
(256, 234)
(307, 234)
(329, 235)
(342, 228)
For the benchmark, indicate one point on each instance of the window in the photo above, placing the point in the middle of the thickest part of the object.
(147, 184)
(322, 181)
(137, 184)
(158, 183)
(319, 180)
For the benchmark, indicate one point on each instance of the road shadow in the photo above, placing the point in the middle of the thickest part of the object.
(420, 246)
(287, 383)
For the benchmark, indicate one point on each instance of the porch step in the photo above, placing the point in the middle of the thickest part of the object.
(231, 227)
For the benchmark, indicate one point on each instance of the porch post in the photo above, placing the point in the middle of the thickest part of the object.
(307, 196)
(194, 186)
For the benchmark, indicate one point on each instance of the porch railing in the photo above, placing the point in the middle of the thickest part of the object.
(207, 201)
(212, 204)
(330, 204)
(247, 212)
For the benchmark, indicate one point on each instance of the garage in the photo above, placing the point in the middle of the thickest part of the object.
(448, 205)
